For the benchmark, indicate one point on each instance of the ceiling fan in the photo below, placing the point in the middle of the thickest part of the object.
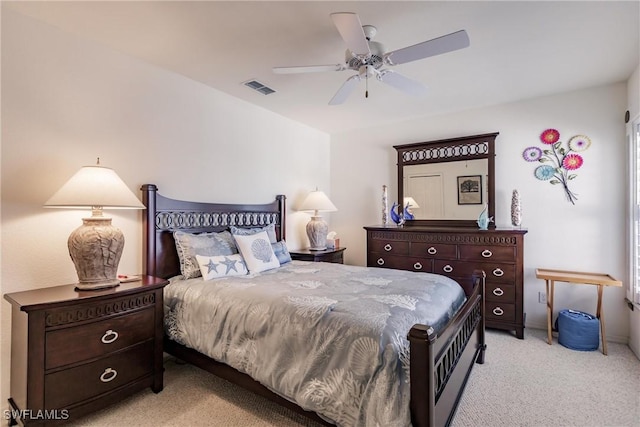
(367, 57)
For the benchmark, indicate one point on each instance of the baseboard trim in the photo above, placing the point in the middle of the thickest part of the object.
(610, 338)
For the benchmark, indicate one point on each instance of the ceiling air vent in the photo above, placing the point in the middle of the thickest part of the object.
(256, 85)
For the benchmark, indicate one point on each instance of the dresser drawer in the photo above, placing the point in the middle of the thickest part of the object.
(431, 250)
(400, 262)
(496, 311)
(500, 292)
(419, 264)
(393, 247)
(75, 344)
(74, 385)
(503, 273)
(488, 253)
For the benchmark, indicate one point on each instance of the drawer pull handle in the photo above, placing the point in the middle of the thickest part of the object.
(447, 268)
(498, 311)
(388, 247)
(108, 375)
(432, 250)
(417, 266)
(487, 253)
(380, 261)
(109, 337)
(498, 292)
(497, 272)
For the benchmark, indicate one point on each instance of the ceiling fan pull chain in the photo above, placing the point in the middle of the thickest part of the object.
(366, 85)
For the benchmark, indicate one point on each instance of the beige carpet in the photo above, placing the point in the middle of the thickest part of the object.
(522, 383)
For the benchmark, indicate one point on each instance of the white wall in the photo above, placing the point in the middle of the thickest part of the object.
(66, 101)
(586, 237)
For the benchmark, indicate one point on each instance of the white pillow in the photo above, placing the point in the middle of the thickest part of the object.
(257, 252)
(213, 267)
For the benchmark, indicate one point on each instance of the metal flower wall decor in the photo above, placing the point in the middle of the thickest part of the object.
(560, 161)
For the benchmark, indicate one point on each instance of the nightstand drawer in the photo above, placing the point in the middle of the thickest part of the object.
(72, 386)
(75, 344)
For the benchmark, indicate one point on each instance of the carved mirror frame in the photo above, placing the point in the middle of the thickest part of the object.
(472, 147)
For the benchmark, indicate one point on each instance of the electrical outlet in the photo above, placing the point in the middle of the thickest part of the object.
(542, 297)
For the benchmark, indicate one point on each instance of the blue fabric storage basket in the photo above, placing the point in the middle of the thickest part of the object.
(578, 330)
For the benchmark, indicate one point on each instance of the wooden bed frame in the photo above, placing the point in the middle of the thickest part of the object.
(440, 364)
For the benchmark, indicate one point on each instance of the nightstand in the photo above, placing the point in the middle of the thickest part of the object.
(327, 255)
(74, 352)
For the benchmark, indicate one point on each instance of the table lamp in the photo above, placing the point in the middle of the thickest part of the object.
(96, 246)
(317, 228)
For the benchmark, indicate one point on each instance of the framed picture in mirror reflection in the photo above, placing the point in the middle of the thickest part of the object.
(470, 190)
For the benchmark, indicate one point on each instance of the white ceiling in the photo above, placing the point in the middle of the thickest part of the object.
(518, 50)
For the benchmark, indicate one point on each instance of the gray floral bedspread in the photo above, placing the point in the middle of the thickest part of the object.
(330, 337)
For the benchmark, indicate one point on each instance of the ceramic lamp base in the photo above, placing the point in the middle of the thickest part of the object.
(95, 248)
(317, 231)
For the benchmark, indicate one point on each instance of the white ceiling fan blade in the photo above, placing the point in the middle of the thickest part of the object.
(350, 28)
(345, 90)
(308, 69)
(400, 82)
(437, 46)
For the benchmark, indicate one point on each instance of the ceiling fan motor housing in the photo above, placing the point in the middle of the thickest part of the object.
(376, 60)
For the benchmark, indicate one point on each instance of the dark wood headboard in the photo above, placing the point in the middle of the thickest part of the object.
(163, 216)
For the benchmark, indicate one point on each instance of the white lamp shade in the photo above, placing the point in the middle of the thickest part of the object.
(95, 186)
(412, 203)
(317, 201)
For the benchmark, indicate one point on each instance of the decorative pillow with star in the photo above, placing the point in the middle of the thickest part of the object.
(213, 267)
(209, 244)
(257, 252)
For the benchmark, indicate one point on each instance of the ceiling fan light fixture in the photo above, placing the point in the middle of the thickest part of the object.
(369, 31)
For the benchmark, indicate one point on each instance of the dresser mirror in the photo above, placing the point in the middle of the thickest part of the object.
(448, 182)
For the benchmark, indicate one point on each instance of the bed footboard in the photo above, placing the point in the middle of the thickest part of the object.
(441, 363)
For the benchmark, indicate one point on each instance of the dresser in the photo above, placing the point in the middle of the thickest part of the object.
(74, 352)
(456, 253)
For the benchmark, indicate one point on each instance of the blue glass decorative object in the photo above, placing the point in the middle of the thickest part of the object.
(396, 216)
(407, 214)
(484, 219)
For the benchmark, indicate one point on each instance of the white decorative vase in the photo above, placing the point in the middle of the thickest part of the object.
(385, 207)
(516, 209)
